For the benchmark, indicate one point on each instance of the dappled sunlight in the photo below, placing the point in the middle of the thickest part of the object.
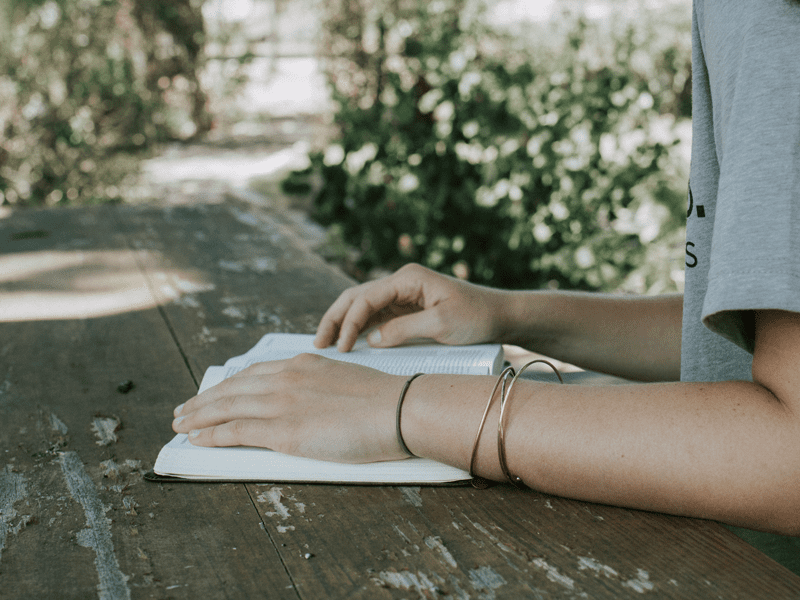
(73, 284)
(236, 168)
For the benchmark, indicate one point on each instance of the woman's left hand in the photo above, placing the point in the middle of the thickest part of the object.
(306, 406)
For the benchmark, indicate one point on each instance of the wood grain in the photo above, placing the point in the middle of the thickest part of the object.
(58, 377)
(154, 295)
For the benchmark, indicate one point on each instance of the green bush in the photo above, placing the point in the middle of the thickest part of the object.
(84, 80)
(521, 165)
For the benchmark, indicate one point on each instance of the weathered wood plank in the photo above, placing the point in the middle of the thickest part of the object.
(226, 277)
(78, 519)
(390, 542)
(374, 542)
(167, 292)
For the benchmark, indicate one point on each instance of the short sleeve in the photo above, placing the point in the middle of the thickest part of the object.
(754, 74)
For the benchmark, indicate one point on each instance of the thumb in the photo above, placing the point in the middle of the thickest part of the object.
(402, 329)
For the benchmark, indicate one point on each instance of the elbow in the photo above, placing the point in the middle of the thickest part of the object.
(768, 497)
(784, 520)
(780, 505)
(787, 517)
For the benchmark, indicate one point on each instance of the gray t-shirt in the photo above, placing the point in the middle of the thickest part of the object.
(743, 228)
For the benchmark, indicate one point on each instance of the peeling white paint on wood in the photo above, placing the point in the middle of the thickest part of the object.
(553, 575)
(458, 592)
(412, 495)
(112, 585)
(58, 425)
(130, 505)
(274, 497)
(234, 312)
(435, 543)
(406, 580)
(105, 429)
(205, 336)
(110, 469)
(585, 562)
(495, 540)
(641, 583)
(12, 490)
(486, 580)
(402, 535)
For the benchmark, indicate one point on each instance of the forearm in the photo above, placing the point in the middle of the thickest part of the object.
(724, 451)
(637, 338)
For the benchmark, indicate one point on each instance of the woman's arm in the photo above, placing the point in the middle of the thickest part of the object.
(728, 451)
(632, 337)
(635, 337)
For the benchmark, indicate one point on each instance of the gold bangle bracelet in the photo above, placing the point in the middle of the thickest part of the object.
(480, 482)
(501, 441)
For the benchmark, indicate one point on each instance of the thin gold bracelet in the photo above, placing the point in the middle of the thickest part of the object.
(399, 410)
(477, 481)
(501, 441)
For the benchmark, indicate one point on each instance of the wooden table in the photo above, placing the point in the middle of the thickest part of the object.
(93, 297)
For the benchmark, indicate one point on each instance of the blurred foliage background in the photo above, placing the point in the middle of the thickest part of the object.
(86, 85)
(553, 155)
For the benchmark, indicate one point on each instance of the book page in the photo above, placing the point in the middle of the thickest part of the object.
(181, 459)
(480, 359)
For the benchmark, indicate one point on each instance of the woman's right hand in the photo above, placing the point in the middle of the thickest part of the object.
(413, 303)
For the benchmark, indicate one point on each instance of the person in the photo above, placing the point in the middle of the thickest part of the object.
(712, 429)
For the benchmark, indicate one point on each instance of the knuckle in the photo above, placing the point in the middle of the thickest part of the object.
(238, 429)
(413, 269)
(438, 321)
(305, 359)
(285, 381)
(211, 435)
(227, 404)
(350, 294)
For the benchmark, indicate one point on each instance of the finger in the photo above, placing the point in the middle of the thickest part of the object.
(225, 409)
(267, 367)
(425, 324)
(245, 381)
(361, 307)
(328, 329)
(242, 432)
(369, 308)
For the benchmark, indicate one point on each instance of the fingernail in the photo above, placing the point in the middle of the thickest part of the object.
(194, 433)
(178, 409)
(375, 337)
(178, 421)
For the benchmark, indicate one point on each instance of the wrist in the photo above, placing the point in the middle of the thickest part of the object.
(399, 415)
(518, 316)
(440, 419)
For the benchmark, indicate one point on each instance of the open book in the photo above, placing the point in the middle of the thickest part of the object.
(180, 459)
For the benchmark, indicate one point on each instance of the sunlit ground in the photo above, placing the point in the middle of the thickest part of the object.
(74, 284)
